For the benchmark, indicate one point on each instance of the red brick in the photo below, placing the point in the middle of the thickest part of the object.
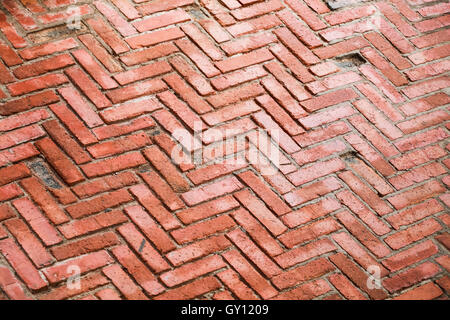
(59, 161)
(311, 270)
(191, 75)
(137, 57)
(66, 142)
(356, 275)
(32, 246)
(98, 204)
(192, 270)
(346, 287)
(103, 167)
(100, 52)
(86, 263)
(416, 194)
(244, 60)
(86, 245)
(309, 232)
(196, 250)
(203, 229)
(192, 289)
(92, 223)
(108, 35)
(48, 48)
(94, 69)
(137, 241)
(283, 97)
(200, 59)
(251, 276)
(362, 190)
(44, 200)
(22, 265)
(425, 292)
(305, 253)
(87, 283)
(415, 233)
(124, 283)
(138, 270)
(306, 291)
(150, 228)
(238, 287)
(207, 209)
(238, 77)
(11, 286)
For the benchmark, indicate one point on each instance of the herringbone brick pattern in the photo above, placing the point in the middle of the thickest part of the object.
(357, 91)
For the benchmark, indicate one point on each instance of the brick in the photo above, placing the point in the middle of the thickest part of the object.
(92, 223)
(200, 59)
(191, 290)
(147, 71)
(425, 292)
(196, 250)
(192, 270)
(22, 265)
(309, 232)
(312, 191)
(239, 288)
(356, 275)
(304, 253)
(163, 190)
(48, 48)
(136, 90)
(150, 228)
(211, 191)
(138, 270)
(311, 212)
(32, 246)
(191, 75)
(86, 245)
(91, 261)
(46, 232)
(230, 112)
(75, 125)
(137, 241)
(416, 194)
(94, 69)
(346, 287)
(412, 234)
(98, 204)
(147, 54)
(124, 283)
(283, 97)
(329, 99)
(39, 83)
(66, 142)
(203, 229)
(362, 190)
(315, 171)
(60, 162)
(187, 94)
(243, 267)
(109, 183)
(207, 209)
(13, 173)
(306, 272)
(411, 277)
(26, 103)
(87, 283)
(104, 167)
(41, 197)
(108, 35)
(99, 51)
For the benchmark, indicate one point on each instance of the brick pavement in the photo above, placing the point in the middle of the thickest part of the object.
(355, 92)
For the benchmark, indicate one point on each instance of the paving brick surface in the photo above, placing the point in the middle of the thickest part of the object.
(96, 98)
